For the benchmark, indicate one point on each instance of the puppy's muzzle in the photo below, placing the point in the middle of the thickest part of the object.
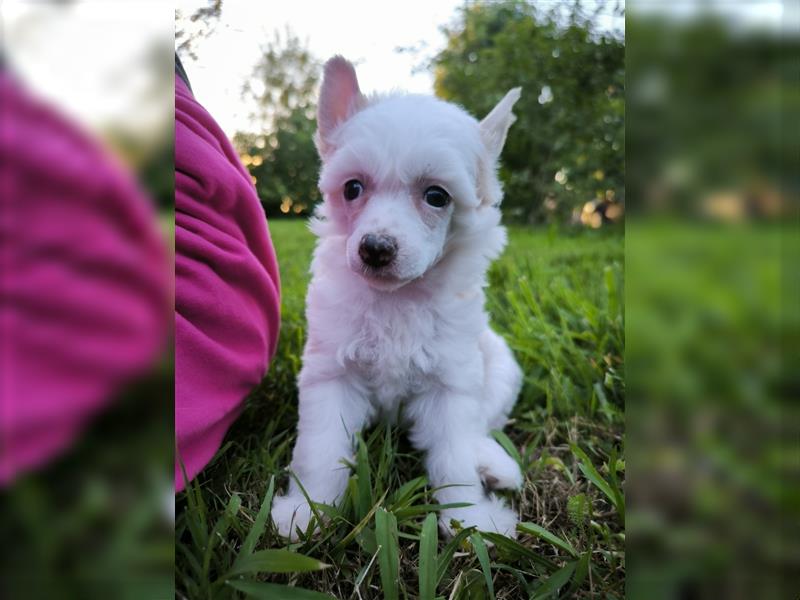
(377, 250)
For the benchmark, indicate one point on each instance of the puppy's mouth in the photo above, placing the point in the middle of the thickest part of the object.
(381, 279)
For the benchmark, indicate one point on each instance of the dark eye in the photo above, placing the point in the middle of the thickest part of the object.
(436, 196)
(353, 189)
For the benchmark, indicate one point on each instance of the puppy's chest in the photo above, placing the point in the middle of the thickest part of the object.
(394, 350)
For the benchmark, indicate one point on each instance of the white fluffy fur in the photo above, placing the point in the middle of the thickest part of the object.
(412, 341)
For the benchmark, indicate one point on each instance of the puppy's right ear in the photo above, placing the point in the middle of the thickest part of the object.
(339, 99)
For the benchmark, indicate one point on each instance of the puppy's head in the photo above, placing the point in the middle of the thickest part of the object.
(400, 172)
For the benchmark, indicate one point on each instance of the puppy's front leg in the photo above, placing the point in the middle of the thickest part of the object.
(451, 428)
(331, 413)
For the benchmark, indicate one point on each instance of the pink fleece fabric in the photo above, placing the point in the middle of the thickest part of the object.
(84, 281)
(227, 303)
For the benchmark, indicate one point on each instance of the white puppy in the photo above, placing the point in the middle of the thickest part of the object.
(395, 308)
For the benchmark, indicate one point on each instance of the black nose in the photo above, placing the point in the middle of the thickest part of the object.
(377, 250)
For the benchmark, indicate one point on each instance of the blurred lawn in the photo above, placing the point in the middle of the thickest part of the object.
(558, 300)
(712, 342)
(97, 522)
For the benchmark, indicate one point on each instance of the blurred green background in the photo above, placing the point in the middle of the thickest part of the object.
(712, 300)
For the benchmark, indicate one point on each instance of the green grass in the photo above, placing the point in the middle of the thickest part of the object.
(558, 300)
(712, 355)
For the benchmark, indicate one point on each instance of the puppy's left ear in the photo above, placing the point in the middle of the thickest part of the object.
(339, 99)
(494, 126)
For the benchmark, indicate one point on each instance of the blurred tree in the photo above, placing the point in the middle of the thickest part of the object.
(200, 24)
(282, 158)
(710, 115)
(567, 147)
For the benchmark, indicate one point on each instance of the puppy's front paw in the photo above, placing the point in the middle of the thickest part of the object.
(497, 469)
(489, 514)
(289, 513)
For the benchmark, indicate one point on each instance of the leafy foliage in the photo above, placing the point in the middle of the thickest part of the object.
(567, 146)
(281, 156)
(709, 105)
(565, 150)
(200, 24)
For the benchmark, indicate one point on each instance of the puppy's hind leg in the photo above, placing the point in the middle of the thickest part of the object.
(498, 471)
(450, 428)
(331, 413)
(502, 379)
(502, 383)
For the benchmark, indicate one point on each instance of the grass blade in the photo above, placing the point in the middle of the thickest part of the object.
(313, 505)
(541, 532)
(276, 561)
(360, 526)
(502, 439)
(613, 467)
(260, 523)
(388, 555)
(363, 498)
(429, 540)
(515, 549)
(405, 493)
(219, 531)
(419, 509)
(196, 514)
(449, 550)
(555, 582)
(385, 462)
(363, 574)
(483, 558)
(274, 591)
(581, 571)
(592, 474)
